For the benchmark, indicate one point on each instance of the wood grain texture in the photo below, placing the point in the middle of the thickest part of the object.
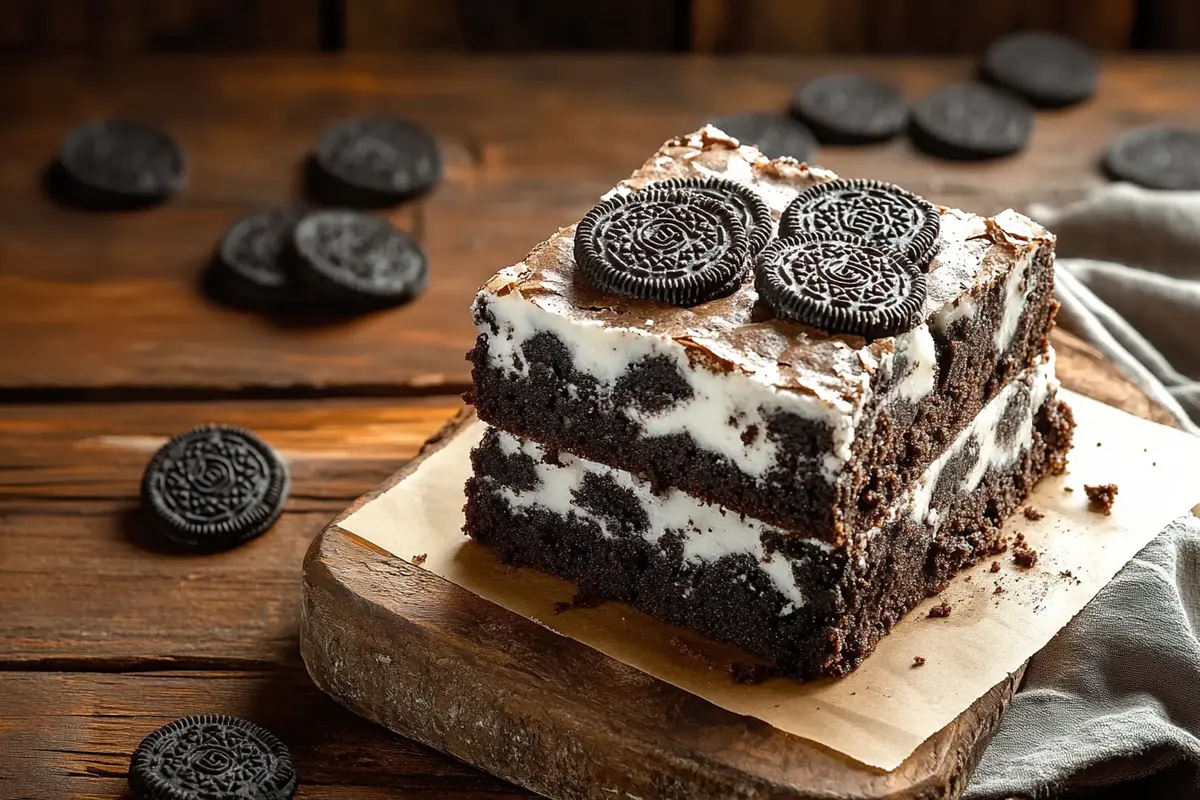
(899, 26)
(512, 25)
(114, 27)
(70, 735)
(84, 584)
(530, 144)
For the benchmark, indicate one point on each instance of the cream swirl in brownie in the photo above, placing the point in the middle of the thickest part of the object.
(776, 419)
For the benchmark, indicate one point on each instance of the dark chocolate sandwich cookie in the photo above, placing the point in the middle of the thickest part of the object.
(214, 487)
(359, 259)
(1045, 68)
(676, 247)
(841, 285)
(776, 135)
(370, 162)
(251, 266)
(212, 756)
(113, 164)
(872, 210)
(1157, 158)
(971, 121)
(752, 210)
(850, 109)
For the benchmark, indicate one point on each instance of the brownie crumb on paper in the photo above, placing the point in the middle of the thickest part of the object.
(1033, 514)
(1024, 556)
(995, 567)
(942, 610)
(918, 661)
(1101, 497)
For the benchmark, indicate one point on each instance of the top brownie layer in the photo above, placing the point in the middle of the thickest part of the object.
(791, 413)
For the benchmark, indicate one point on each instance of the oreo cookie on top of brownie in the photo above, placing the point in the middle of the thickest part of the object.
(761, 402)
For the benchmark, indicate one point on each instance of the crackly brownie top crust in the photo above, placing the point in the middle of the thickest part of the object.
(739, 333)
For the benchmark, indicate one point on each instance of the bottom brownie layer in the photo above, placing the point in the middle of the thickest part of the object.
(808, 608)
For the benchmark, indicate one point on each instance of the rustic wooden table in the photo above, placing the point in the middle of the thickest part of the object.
(106, 348)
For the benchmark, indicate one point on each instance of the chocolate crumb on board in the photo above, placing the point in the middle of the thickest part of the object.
(1066, 573)
(418, 560)
(1101, 497)
(561, 606)
(998, 590)
(1024, 555)
(918, 661)
(691, 652)
(942, 610)
(966, 579)
(1033, 514)
(995, 567)
(751, 674)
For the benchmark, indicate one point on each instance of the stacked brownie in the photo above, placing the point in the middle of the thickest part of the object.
(762, 403)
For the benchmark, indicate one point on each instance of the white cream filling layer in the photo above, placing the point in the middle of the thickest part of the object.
(984, 429)
(606, 353)
(709, 532)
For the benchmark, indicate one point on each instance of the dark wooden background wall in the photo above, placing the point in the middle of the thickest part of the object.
(725, 26)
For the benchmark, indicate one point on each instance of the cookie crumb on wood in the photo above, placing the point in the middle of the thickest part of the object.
(1101, 497)
(918, 661)
(995, 567)
(942, 610)
(418, 560)
(1033, 514)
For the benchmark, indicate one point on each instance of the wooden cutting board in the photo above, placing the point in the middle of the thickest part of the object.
(428, 659)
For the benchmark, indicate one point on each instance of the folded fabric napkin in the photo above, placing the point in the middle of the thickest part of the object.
(1111, 707)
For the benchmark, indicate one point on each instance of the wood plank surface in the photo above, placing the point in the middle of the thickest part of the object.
(530, 143)
(900, 26)
(84, 584)
(69, 735)
(112, 27)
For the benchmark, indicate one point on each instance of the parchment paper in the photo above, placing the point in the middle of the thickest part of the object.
(881, 712)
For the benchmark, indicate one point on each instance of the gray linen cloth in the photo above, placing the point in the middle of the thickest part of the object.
(1111, 707)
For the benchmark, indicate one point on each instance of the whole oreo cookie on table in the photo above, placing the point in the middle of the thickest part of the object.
(850, 109)
(251, 266)
(212, 756)
(672, 246)
(841, 284)
(214, 487)
(1157, 158)
(872, 210)
(359, 260)
(752, 210)
(114, 164)
(971, 121)
(776, 135)
(1045, 68)
(370, 162)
